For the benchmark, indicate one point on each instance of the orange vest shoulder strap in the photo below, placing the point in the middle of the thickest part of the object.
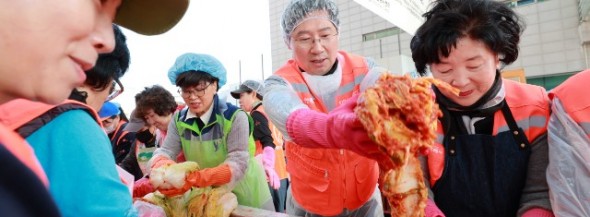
(530, 107)
(26, 117)
(18, 112)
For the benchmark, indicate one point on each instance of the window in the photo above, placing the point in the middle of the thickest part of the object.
(549, 82)
(381, 34)
(517, 3)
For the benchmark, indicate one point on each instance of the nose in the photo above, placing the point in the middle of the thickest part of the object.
(103, 38)
(317, 46)
(460, 80)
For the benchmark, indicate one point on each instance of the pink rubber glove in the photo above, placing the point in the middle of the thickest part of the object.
(268, 161)
(432, 210)
(538, 212)
(142, 187)
(338, 129)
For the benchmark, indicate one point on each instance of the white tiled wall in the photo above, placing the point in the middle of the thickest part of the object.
(549, 45)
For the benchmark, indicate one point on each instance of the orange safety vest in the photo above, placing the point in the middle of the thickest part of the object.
(325, 181)
(529, 105)
(118, 133)
(17, 113)
(277, 138)
(571, 94)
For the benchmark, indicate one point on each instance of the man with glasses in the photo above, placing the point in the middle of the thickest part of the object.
(303, 99)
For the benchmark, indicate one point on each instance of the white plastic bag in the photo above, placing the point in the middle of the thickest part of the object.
(568, 173)
(145, 209)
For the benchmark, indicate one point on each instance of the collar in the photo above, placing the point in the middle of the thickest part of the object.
(256, 105)
(331, 71)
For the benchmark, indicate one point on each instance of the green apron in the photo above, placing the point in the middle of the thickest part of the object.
(210, 150)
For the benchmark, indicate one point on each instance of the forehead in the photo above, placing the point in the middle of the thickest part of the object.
(467, 49)
(200, 85)
(314, 22)
(149, 112)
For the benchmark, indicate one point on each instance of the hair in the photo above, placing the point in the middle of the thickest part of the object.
(122, 115)
(109, 66)
(488, 21)
(249, 91)
(156, 98)
(194, 78)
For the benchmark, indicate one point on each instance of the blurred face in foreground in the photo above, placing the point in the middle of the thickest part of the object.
(470, 67)
(47, 45)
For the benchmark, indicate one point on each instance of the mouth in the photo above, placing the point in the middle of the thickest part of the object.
(194, 105)
(81, 66)
(465, 93)
(318, 61)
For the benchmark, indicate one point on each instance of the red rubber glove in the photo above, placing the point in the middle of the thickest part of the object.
(142, 187)
(268, 162)
(340, 128)
(202, 178)
(538, 212)
(209, 177)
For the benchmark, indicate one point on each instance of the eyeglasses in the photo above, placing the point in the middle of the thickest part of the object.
(194, 92)
(309, 42)
(116, 90)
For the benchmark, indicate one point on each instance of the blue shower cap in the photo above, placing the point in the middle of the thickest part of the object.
(198, 62)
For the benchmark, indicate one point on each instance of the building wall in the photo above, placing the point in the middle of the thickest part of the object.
(550, 44)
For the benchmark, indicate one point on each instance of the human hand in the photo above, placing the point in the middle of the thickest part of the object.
(268, 162)
(160, 161)
(209, 177)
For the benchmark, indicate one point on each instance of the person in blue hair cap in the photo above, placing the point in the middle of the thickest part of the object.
(215, 134)
(107, 110)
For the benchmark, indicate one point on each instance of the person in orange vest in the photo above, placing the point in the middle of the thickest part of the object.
(269, 141)
(492, 137)
(46, 46)
(569, 147)
(114, 125)
(310, 100)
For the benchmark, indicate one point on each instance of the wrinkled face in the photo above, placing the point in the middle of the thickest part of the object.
(247, 100)
(315, 44)
(199, 98)
(470, 67)
(47, 45)
(160, 122)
